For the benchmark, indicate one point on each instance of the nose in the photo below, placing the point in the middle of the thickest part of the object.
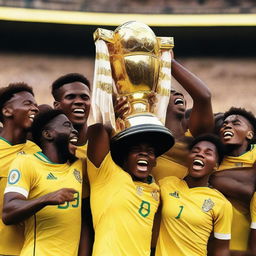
(78, 101)
(74, 131)
(35, 108)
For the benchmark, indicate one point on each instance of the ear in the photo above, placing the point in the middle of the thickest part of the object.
(56, 105)
(7, 112)
(47, 135)
(154, 164)
(250, 135)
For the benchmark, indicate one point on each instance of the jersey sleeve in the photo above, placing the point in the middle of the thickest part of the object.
(104, 172)
(21, 177)
(223, 220)
(253, 211)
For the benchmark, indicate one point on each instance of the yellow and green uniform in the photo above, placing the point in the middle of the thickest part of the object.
(189, 215)
(241, 215)
(81, 151)
(11, 237)
(123, 210)
(54, 230)
(173, 162)
(253, 212)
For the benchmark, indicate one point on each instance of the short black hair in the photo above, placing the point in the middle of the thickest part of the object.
(40, 122)
(244, 113)
(214, 139)
(67, 79)
(6, 93)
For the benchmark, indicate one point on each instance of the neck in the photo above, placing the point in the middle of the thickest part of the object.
(237, 150)
(15, 135)
(82, 134)
(54, 155)
(194, 182)
(174, 122)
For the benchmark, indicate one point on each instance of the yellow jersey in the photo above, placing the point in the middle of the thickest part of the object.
(54, 230)
(173, 162)
(11, 236)
(241, 215)
(81, 151)
(253, 212)
(189, 215)
(123, 210)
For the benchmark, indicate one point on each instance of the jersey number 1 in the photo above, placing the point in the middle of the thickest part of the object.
(181, 209)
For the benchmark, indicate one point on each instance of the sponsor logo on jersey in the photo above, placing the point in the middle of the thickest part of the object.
(50, 176)
(207, 205)
(77, 175)
(175, 194)
(14, 176)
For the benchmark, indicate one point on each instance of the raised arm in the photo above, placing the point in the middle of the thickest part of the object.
(17, 208)
(236, 183)
(98, 143)
(201, 118)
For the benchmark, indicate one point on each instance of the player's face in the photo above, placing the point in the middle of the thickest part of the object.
(235, 130)
(177, 103)
(64, 134)
(140, 161)
(202, 159)
(74, 102)
(22, 109)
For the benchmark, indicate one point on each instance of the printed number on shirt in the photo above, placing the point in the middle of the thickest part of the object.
(73, 204)
(179, 214)
(144, 209)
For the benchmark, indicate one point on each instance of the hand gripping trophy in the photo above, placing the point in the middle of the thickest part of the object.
(132, 62)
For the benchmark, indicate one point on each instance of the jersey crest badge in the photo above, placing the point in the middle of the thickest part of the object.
(139, 190)
(155, 195)
(77, 175)
(207, 205)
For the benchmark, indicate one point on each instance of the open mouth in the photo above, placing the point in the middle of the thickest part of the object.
(198, 164)
(227, 135)
(79, 111)
(31, 117)
(73, 140)
(142, 165)
(179, 101)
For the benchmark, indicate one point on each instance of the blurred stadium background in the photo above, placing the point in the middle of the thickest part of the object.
(43, 39)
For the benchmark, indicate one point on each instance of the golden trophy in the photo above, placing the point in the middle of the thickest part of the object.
(132, 62)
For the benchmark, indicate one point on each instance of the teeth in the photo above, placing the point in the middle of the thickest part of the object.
(179, 101)
(143, 162)
(198, 162)
(31, 117)
(73, 140)
(228, 134)
(78, 110)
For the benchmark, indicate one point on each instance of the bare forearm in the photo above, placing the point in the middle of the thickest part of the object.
(18, 210)
(191, 83)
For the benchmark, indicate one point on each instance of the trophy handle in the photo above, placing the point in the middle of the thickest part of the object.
(166, 42)
(104, 34)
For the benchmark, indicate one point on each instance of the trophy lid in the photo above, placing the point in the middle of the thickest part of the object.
(158, 136)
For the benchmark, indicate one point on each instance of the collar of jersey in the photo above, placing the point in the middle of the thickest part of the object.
(41, 156)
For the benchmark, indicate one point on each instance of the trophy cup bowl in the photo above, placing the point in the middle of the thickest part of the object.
(134, 55)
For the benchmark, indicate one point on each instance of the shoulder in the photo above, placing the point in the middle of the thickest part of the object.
(31, 147)
(169, 180)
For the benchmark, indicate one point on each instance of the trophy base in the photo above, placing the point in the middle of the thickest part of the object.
(157, 135)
